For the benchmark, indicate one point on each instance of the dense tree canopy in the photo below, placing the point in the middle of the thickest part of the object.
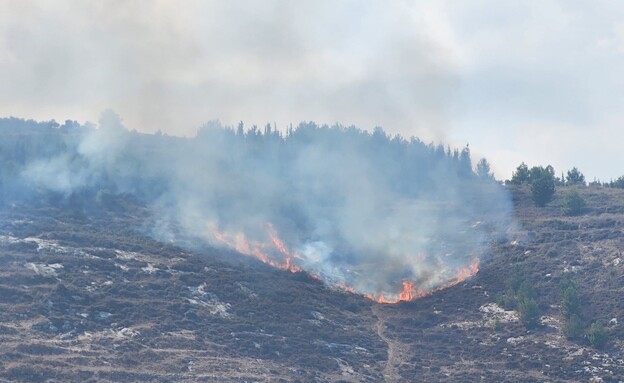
(339, 196)
(573, 203)
(410, 162)
(575, 177)
(542, 181)
(520, 175)
(483, 169)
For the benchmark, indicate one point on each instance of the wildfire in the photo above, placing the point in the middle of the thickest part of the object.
(240, 243)
(274, 246)
(411, 292)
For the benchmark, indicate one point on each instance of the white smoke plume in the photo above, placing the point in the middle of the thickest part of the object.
(359, 210)
(170, 66)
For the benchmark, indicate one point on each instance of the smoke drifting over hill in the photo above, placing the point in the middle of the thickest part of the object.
(359, 210)
(170, 66)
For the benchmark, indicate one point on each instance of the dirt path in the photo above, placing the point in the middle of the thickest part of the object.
(396, 350)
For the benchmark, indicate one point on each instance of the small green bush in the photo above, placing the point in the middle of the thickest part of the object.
(514, 279)
(618, 183)
(506, 301)
(526, 291)
(521, 175)
(552, 253)
(497, 324)
(520, 295)
(573, 203)
(565, 282)
(529, 313)
(542, 184)
(570, 302)
(573, 327)
(598, 335)
(575, 177)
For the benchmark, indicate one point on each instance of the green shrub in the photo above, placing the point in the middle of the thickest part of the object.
(618, 183)
(501, 299)
(570, 302)
(521, 175)
(520, 295)
(565, 282)
(542, 184)
(573, 327)
(598, 335)
(552, 253)
(573, 203)
(514, 279)
(575, 177)
(506, 301)
(497, 324)
(526, 291)
(529, 313)
(483, 170)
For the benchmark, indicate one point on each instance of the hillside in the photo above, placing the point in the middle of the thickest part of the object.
(348, 206)
(86, 295)
(460, 334)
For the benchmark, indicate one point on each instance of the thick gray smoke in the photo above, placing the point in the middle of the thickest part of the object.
(362, 210)
(168, 65)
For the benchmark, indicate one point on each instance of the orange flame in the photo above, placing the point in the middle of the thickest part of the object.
(257, 249)
(411, 292)
(275, 245)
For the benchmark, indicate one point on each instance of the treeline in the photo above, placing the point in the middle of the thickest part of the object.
(355, 205)
(543, 182)
(523, 175)
(410, 163)
(617, 183)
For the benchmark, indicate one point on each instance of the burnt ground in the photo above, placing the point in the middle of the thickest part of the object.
(88, 296)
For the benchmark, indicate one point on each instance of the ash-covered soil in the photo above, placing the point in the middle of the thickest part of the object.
(87, 295)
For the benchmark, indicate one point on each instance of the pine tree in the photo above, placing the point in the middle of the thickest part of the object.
(575, 177)
(542, 184)
(598, 335)
(521, 175)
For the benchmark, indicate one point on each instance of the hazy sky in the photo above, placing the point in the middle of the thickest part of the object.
(534, 81)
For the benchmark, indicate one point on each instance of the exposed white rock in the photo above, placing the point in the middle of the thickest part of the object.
(9, 239)
(199, 290)
(94, 285)
(44, 269)
(345, 368)
(210, 301)
(126, 255)
(515, 341)
(123, 333)
(103, 314)
(122, 267)
(317, 315)
(550, 322)
(47, 245)
(492, 312)
(246, 290)
(150, 269)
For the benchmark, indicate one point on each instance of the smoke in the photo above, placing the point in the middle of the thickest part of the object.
(96, 155)
(362, 210)
(170, 66)
(365, 211)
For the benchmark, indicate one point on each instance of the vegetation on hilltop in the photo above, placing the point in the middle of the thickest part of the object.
(148, 310)
(338, 197)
